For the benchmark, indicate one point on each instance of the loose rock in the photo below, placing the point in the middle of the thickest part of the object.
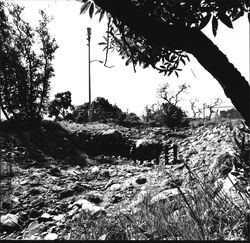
(51, 236)
(9, 222)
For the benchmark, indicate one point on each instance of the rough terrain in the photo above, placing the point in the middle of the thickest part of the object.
(45, 191)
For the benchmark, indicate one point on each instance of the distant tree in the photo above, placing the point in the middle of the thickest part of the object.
(80, 114)
(103, 111)
(129, 120)
(161, 33)
(165, 114)
(196, 110)
(25, 64)
(152, 114)
(61, 106)
(169, 113)
(169, 96)
(172, 115)
(213, 103)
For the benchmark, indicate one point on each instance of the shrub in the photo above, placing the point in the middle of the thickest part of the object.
(172, 115)
(130, 120)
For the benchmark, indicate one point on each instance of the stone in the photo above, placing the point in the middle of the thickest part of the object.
(248, 189)
(105, 173)
(103, 237)
(95, 170)
(51, 236)
(73, 211)
(115, 187)
(31, 230)
(116, 198)
(89, 207)
(16, 200)
(94, 197)
(165, 195)
(141, 180)
(145, 149)
(6, 205)
(54, 171)
(59, 217)
(9, 222)
(34, 213)
(161, 197)
(45, 217)
(23, 216)
(140, 198)
(37, 190)
(66, 193)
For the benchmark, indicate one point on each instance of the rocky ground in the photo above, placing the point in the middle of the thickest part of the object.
(43, 193)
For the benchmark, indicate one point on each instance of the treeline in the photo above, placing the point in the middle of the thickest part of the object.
(166, 114)
(102, 111)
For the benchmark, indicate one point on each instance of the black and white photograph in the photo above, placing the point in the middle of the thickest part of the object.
(125, 120)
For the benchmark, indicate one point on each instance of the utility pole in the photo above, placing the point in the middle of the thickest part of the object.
(90, 106)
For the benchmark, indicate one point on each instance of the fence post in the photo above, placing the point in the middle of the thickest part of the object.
(175, 153)
(204, 119)
(166, 153)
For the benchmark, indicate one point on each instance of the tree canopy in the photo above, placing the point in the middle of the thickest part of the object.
(61, 106)
(161, 33)
(25, 64)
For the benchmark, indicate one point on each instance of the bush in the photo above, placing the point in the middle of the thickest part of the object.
(102, 111)
(172, 115)
(130, 120)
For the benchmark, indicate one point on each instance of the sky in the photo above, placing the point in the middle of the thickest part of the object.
(121, 85)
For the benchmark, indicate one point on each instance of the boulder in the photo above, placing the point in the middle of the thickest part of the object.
(88, 207)
(141, 180)
(164, 196)
(32, 230)
(51, 236)
(9, 222)
(144, 149)
(108, 142)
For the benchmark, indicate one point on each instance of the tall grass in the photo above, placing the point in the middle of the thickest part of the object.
(202, 210)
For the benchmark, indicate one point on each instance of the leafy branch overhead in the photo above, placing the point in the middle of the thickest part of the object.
(188, 14)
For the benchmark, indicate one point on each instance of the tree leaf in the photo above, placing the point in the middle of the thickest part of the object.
(225, 20)
(214, 25)
(102, 43)
(205, 21)
(101, 15)
(238, 15)
(98, 11)
(91, 10)
(85, 7)
(170, 72)
(127, 62)
(188, 58)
